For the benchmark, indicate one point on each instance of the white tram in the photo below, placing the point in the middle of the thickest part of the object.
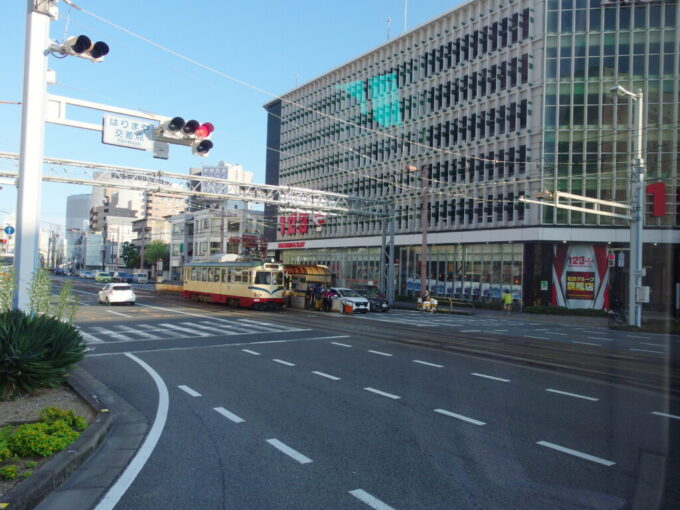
(248, 283)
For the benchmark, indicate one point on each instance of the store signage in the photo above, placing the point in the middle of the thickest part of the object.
(580, 276)
(300, 223)
(658, 192)
(293, 244)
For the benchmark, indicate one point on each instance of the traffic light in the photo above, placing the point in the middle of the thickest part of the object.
(191, 132)
(611, 259)
(82, 46)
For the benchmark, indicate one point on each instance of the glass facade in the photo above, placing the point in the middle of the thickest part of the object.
(591, 46)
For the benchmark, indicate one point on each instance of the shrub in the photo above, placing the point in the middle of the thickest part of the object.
(52, 414)
(36, 351)
(42, 439)
(9, 472)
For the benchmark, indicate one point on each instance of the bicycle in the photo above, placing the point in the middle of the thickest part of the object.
(617, 316)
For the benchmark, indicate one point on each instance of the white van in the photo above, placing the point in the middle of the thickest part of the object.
(140, 278)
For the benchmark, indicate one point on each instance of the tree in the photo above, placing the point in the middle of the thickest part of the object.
(157, 250)
(130, 255)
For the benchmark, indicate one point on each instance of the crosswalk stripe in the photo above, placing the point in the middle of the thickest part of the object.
(186, 330)
(133, 331)
(220, 331)
(163, 332)
(231, 325)
(111, 333)
(91, 339)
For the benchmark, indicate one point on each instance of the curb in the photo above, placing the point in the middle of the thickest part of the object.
(30, 492)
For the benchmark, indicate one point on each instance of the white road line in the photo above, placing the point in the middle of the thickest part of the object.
(189, 390)
(165, 332)
(655, 345)
(427, 363)
(287, 363)
(459, 417)
(638, 336)
(192, 332)
(575, 395)
(91, 339)
(666, 415)
(284, 448)
(83, 292)
(143, 334)
(499, 331)
(135, 466)
(556, 333)
(382, 393)
(380, 353)
(371, 501)
(601, 338)
(340, 345)
(646, 350)
(585, 343)
(576, 453)
(470, 330)
(327, 376)
(254, 353)
(118, 313)
(537, 337)
(219, 331)
(112, 334)
(229, 415)
(490, 377)
(176, 311)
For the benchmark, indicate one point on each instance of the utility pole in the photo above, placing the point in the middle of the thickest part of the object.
(423, 228)
(32, 145)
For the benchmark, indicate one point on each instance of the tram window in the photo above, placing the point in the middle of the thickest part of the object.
(204, 274)
(237, 276)
(278, 278)
(245, 277)
(225, 275)
(193, 273)
(263, 278)
(216, 276)
(211, 273)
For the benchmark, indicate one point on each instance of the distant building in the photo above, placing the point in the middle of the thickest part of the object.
(77, 221)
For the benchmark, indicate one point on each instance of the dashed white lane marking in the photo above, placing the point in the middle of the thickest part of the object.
(111, 498)
(470, 330)
(537, 337)
(576, 453)
(427, 363)
(229, 415)
(284, 448)
(370, 500)
(490, 377)
(586, 343)
(327, 376)
(254, 353)
(601, 338)
(340, 345)
(383, 393)
(638, 336)
(646, 350)
(575, 395)
(287, 363)
(499, 331)
(666, 415)
(380, 353)
(191, 392)
(118, 313)
(459, 417)
(649, 343)
(556, 333)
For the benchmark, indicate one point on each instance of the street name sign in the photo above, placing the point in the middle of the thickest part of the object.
(127, 132)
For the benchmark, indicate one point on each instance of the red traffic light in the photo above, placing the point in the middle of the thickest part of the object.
(204, 130)
(611, 259)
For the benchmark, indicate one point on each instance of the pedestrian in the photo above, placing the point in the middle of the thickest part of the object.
(309, 297)
(327, 297)
(507, 302)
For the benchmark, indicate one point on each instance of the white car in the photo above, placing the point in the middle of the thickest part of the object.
(116, 293)
(351, 297)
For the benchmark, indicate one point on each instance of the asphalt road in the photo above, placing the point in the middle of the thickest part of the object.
(308, 410)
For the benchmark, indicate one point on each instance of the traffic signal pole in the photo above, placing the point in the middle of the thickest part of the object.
(31, 152)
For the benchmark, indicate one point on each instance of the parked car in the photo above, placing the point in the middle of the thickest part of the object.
(140, 278)
(103, 276)
(351, 297)
(120, 276)
(116, 293)
(89, 275)
(377, 302)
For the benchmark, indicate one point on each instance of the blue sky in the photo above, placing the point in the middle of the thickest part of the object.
(266, 43)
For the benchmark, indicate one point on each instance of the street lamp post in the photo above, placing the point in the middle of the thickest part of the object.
(423, 228)
(637, 183)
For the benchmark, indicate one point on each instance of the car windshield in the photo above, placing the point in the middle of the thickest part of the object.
(104, 274)
(348, 293)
